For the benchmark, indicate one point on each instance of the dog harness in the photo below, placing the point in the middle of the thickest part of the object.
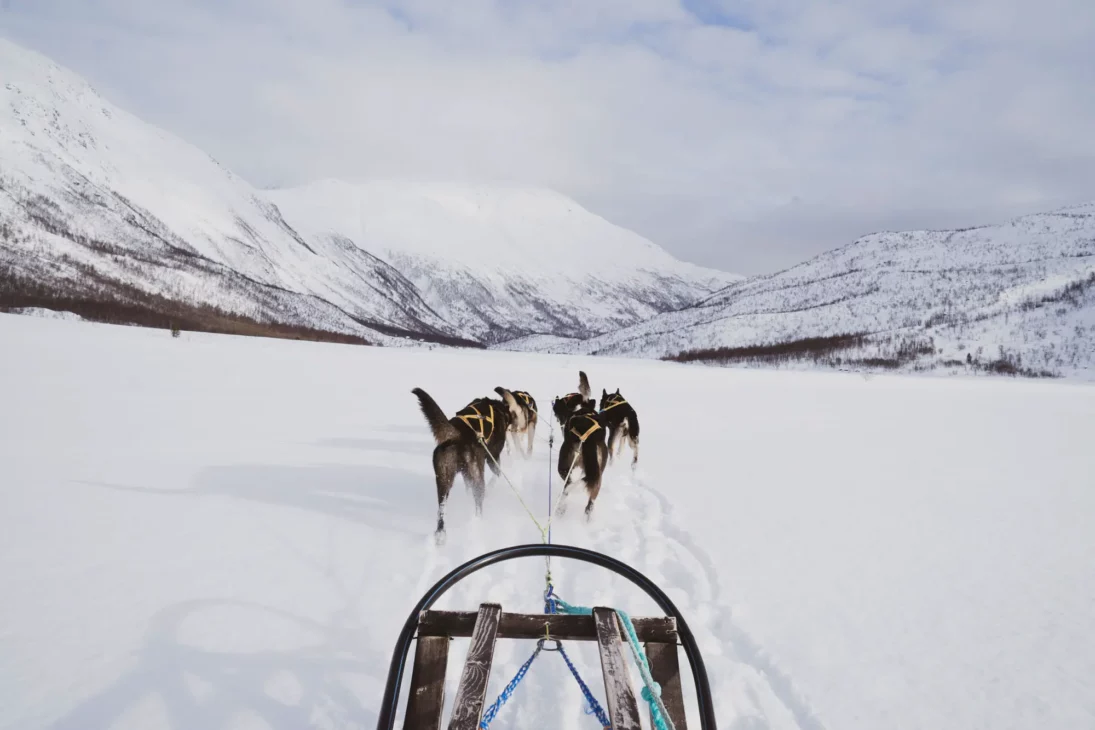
(613, 401)
(479, 427)
(570, 398)
(526, 398)
(583, 436)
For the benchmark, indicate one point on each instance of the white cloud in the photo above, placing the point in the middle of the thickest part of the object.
(871, 113)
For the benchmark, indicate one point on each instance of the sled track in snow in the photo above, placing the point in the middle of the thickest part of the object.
(720, 622)
(634, 522)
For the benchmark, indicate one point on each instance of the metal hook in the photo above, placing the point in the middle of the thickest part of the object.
(540, 644)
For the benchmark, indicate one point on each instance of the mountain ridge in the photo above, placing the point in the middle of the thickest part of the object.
(912, 300)
(91, 193)
(107, 216)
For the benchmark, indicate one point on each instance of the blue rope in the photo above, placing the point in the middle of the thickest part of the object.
(504, 697)
(564, 607)
(551, 603)
(594, 706)
(652, 691)
(551, 448)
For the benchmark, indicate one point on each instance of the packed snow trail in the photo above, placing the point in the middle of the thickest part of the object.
(227, 532)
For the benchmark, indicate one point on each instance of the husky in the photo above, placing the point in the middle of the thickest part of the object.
(463, 444)
(565, 406)
(584, 448)
(529, 416)
(619, 417)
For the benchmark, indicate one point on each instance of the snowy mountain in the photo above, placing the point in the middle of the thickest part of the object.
(99, 209)
(1013, 297)
(503, 261)
(94, 202)
(106, 216)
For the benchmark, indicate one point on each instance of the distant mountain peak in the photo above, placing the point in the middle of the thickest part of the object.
(99, 203)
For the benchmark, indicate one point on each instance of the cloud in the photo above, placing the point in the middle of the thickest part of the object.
(746, 134)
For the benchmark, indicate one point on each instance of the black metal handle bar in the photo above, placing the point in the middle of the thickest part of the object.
(386, 718)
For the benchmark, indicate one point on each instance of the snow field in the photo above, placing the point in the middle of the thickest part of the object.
(227, 532)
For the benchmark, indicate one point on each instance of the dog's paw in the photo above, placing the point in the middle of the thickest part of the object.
(439, 538)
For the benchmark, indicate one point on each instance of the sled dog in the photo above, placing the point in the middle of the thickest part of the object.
(619, 417)
(526, 424)
(584, 448)
(463, 443)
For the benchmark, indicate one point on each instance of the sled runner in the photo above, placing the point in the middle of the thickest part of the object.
(617, 636)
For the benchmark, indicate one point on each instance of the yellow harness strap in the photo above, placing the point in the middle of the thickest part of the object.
(481, 431)
(583, 436)
(613, 404)
(527, 399)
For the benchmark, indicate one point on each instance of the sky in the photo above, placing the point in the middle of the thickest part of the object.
(745, 135)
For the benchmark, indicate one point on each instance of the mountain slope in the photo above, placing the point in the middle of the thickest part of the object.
(93, 198)
(99, 209)
(1017, 295)
(503, 261)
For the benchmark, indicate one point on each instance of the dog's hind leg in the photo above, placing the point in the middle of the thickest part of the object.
(593, 481)
(446, 464)
(476, 479)
(613, 438)
(494, 459)
(633, 434)
(567, 458)
(531, 436)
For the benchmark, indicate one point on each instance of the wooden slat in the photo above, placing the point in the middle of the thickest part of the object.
(467, 708)
(665, 670)
(623, 709)
(531, 626)
(427, 697)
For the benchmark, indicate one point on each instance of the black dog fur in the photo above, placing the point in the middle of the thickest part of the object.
(565, 406)
(458, 449)
(584, 448)
(622, 422)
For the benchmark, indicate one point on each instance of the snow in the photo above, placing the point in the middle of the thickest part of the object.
(503, 256)
(511, 227)
(46, 313)
(228, 532)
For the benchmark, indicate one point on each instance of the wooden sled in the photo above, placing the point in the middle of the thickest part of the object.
(435, 630)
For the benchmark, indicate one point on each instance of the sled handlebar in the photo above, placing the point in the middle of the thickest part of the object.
(389, 703)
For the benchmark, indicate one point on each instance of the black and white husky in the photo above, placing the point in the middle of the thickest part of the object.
(529, 416)
(584, 450)
(476, 434)
(622, 422)
(567, 405)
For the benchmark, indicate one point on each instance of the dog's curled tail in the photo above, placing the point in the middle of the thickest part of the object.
(439, 424)
(583, 384)
(516, 412)
(633, 424)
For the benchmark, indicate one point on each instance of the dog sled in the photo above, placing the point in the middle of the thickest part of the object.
(615, 633)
